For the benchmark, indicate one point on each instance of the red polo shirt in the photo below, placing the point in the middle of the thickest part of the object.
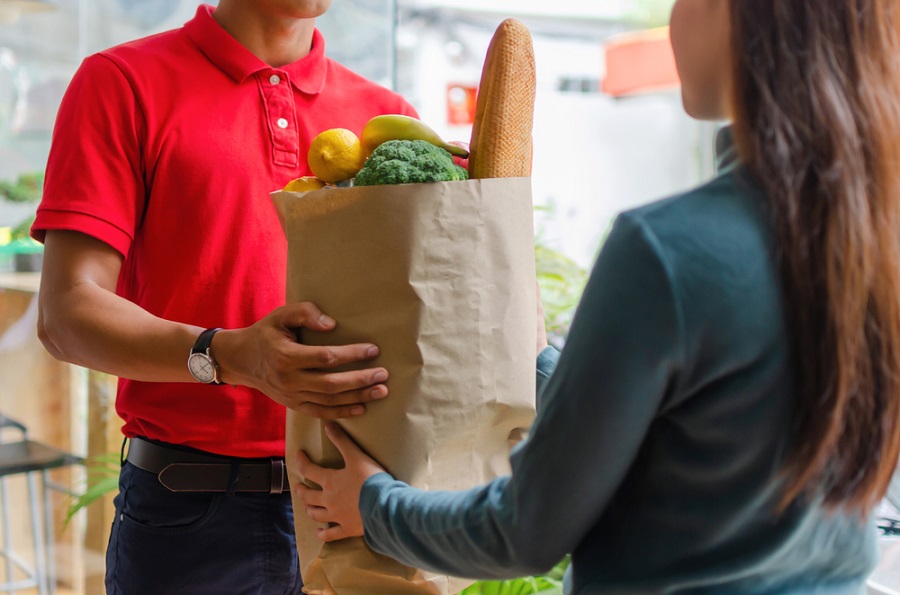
(166, 148)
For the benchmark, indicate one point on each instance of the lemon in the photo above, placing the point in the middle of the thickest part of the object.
(304, 184)
(336, 155)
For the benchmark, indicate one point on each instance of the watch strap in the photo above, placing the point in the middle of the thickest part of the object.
(204, 340)
(202, 345)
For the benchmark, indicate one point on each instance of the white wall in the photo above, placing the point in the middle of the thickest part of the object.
(594, 156)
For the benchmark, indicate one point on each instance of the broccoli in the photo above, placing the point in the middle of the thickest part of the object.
(408, 162)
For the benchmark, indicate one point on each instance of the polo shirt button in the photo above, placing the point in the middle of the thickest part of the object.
(282, 123)
(274, 79)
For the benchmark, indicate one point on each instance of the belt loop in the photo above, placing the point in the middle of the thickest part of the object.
(233, 478)
(122, 452)
(277, 476)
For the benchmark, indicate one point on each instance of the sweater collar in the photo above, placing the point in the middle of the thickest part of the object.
(726, 152)
(306, 74)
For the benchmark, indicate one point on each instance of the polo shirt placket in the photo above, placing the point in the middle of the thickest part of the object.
(279, 108)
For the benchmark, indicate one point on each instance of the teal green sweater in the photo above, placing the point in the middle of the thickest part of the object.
(656, 451)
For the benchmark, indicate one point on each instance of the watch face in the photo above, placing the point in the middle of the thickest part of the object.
(201, 366)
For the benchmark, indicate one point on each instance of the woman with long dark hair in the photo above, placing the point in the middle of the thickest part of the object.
(726, 412)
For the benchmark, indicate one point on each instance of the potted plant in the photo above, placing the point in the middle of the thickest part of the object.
(26, 253)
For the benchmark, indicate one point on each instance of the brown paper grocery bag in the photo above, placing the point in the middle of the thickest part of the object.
(441, 277)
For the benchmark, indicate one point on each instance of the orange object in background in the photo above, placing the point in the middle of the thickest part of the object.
(461, 104)
(640, 62)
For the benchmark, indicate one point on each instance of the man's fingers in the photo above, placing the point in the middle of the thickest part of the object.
(340, 406)
(324, 357)
(332, 533)
(305, 314)
(325, 412)
(333, 383)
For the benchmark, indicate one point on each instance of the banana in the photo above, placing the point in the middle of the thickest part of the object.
(397, 127)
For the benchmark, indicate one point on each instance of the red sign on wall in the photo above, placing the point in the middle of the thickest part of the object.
(461, 104)
(639, 63)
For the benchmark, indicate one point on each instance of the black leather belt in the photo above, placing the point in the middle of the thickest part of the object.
(186, 471)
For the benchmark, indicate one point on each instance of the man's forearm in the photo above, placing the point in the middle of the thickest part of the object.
(87, 325)
(84, 322)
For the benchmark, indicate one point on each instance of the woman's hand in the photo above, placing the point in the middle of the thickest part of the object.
(337, 503)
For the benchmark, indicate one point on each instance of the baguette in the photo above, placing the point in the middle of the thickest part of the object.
(500, 146)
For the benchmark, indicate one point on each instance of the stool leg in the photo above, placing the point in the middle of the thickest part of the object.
(49, 537)
(7, 538)
(37, 533)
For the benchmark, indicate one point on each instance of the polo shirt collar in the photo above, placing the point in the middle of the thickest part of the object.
(306, 74)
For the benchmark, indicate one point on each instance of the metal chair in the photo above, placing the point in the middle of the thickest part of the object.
(31, 458)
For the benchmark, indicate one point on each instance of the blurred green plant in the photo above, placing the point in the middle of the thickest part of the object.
(26, 188)
(562, 282)
(545, 584)
(21, 231)
(102, 478)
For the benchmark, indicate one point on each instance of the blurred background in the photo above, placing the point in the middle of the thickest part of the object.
(605, 138)
(609, 134)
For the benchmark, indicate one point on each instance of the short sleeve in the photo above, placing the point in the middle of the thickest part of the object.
(95, 179)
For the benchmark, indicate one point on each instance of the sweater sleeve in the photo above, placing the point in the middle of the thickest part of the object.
(620, 361)
(546, 363)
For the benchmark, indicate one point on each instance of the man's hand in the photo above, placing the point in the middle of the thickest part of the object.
(267, 356)
(81, 320)
(337, 503)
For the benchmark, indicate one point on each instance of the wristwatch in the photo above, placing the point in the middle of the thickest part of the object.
(201, 363)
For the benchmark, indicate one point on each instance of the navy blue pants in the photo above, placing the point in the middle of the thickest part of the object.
(166, 543)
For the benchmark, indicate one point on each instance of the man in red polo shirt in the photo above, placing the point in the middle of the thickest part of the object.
(158, 232)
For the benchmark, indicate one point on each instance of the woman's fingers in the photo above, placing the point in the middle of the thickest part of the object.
(338, 500)
(311, 496)
(333, 533)
(344, 443)
(310, 471)
(318, 514)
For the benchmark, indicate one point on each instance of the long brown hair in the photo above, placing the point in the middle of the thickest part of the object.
(816, 100)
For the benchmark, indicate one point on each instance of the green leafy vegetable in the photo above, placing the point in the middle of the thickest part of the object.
(408, 162)
(546, 584)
